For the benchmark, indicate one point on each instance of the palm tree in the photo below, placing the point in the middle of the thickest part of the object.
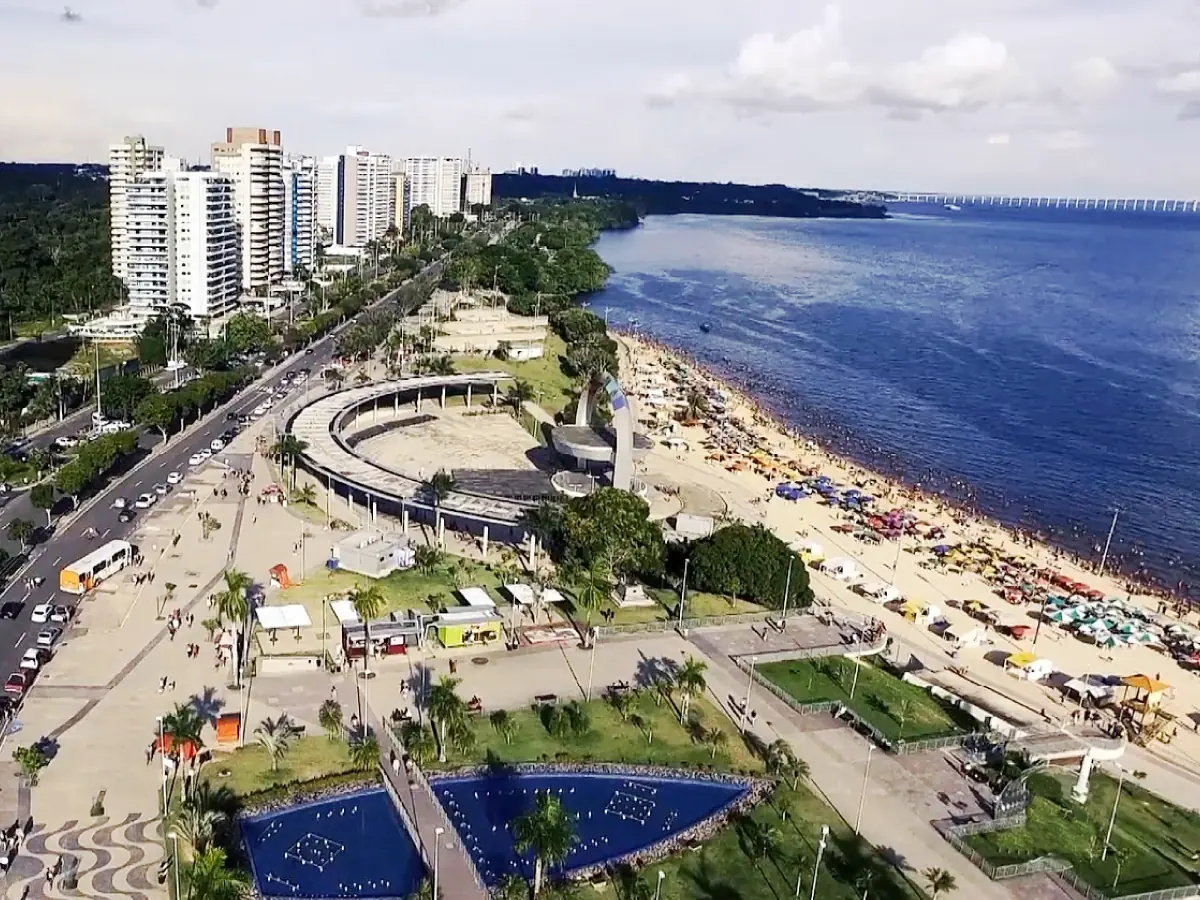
(306, 494)
(330, 718)
(518, 394)
(547, 831)
(691, 683)
(183, 726)
(287, 450)
(424, 891)
(364, 752)
(369, 603)
(427, 559)
(440, 485)
(417, 740)
(939, 881)
(210, 877)
(446, 709)
(783, 763)
(276, 736)
(504, 724)
(234, 604)
(197, 827)
(716, 739)
(593, 588)
(696, 404)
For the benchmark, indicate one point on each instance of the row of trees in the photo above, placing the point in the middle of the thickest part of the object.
(173, 409)
(94, 461)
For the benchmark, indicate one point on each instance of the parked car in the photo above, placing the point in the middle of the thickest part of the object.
(41, 613)
(195, 459)
(216, 445)
(145, 501)
(48, 637)
(61, 614)
(204, 453)
(33, 659)
(174, 478)
(127, 515)
(11, 609)
(162, 489)
(120, 503)
(16, 683)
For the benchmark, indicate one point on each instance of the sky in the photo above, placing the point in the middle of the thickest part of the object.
(1045, 97)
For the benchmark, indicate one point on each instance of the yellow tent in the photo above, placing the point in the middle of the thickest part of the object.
(1020, 660)
(1145, 683)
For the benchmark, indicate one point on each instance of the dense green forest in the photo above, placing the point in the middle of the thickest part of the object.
(54, 243)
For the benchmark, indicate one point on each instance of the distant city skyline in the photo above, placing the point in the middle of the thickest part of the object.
(1049, 97)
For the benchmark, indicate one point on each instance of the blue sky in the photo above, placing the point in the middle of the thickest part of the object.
(1093, 97)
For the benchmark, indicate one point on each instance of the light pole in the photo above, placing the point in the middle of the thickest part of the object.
(1108, 540)
(683, 593)
(862, 797)
(749, 687)
(162, 767)
(591, 664)
(854, 683)
(1112, 819)
(658, 887)
(437, 846)
(816, 866)
(787, 589)
(175, 847)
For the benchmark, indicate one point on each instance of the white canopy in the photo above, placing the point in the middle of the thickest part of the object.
(477, 596)
(523, 594)
(294, 615)
(344, 611)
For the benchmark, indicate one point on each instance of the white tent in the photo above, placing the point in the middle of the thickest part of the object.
(840, 568)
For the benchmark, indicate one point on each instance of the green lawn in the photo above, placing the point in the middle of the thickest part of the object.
(543, 374)
(725, 867)
(699, 604)
(901, 711)
(1155, 842)
(249, 768)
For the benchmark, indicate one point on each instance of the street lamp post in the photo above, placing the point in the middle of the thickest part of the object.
(683, 593)
(175, 847)
(658, 887)
(592, 663)
(1112, 819)
(787, 589)
(749, 687)
(437, 846)
(816, 866)
(854, 683)
(862, 797)
(162, 767)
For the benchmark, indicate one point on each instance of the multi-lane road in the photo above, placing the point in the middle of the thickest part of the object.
(69, 543)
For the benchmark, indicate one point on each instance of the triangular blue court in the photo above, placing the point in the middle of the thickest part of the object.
(617, 815)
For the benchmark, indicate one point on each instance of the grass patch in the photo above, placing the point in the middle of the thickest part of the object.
(732, 865)
(1154, 843)
(249, 768)
(544, 374)
(83, 363)
(651, 735)
(699, 605)
(901, 711)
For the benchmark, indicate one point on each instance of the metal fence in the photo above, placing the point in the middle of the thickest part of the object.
(903, 748)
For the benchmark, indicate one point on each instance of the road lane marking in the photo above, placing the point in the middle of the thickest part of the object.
(106, 531)
(57, 560)
(20, 639)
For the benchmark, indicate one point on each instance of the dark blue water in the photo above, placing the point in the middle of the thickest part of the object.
(351, 846)
(1043, 366)
(615, 815)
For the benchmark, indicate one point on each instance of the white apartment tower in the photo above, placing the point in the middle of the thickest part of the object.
(356, 196)
(477, 188)
(183, 243)
(126, 161)
(299, 213)
(253, 158)
(436, 182)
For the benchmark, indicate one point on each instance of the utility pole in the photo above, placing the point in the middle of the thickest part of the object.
(96, 347)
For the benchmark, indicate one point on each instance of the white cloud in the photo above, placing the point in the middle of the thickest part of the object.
(999, 139)
(1066, 140)
(1187, 82)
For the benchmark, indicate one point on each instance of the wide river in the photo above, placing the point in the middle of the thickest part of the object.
(1043, 365)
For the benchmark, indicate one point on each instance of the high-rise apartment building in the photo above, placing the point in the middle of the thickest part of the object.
(253, 158)
(356, 196)
(183, 246)
(126, 161)
(435, 182)
(299, 213)
(477, 188)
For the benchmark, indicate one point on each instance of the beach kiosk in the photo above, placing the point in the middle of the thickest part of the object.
(1028, 666)
(469, 627)
(1143, 711)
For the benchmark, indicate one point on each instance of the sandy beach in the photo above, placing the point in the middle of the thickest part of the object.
(742, 454)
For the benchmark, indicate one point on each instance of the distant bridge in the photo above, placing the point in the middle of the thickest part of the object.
(1131, 204)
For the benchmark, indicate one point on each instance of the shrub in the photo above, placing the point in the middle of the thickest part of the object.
(752, 563)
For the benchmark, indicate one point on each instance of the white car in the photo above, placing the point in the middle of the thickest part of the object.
(174, 478)
(268, 403)
(145, 501)
(120, 503)
(41, 614)
(32, 660)
(162, 490)
(66, 442)
(113, 427)
(48, 637)
(204, 453)
(195, 459)
(259, 412)
(216, 445)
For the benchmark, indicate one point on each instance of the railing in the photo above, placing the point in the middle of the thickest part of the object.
(903, 748)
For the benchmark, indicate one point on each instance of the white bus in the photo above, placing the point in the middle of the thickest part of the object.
(83, 575)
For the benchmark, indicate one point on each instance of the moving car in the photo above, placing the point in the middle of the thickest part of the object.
(11, 609)
(33, 659)
(145, 501)
(48, 637)
(66, 442)
(41, 613)
(16, 683)
(174, 478)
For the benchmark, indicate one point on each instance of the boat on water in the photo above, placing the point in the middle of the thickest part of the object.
(705, 327)
(953, 207)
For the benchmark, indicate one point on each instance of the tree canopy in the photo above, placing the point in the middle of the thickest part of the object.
(751, 562)
(608, 528)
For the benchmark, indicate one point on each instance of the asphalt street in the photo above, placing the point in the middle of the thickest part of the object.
(69, 544)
